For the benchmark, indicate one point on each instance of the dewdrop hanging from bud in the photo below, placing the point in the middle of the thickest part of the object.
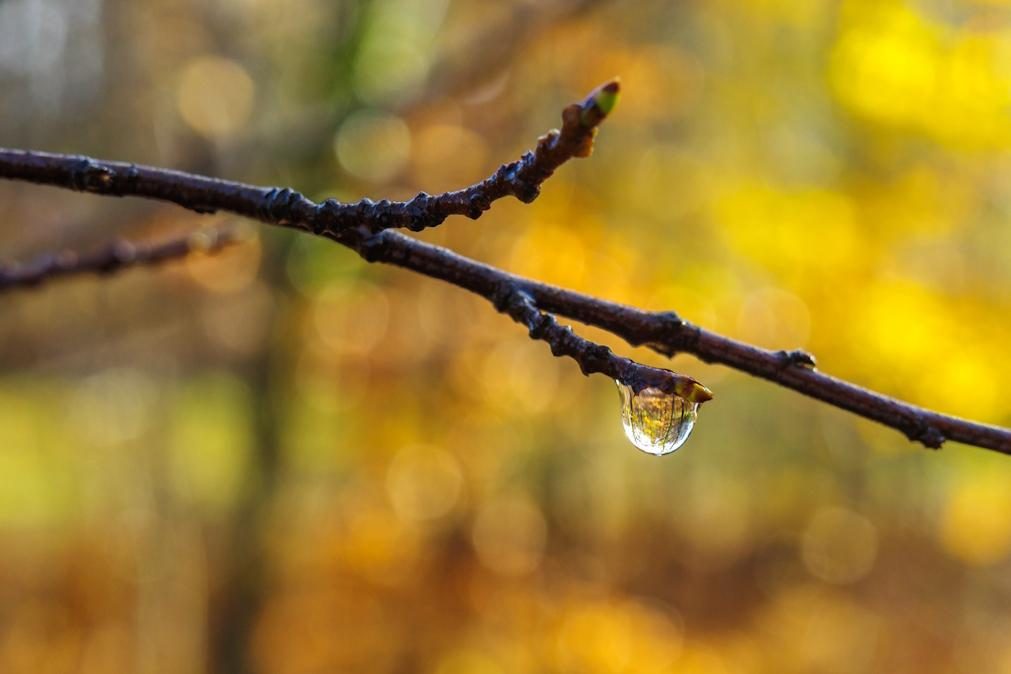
(656, 422)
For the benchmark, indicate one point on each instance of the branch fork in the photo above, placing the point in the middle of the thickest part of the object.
(367, 228)
(591, 357)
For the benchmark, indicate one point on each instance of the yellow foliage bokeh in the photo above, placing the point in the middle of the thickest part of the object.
(282, 459)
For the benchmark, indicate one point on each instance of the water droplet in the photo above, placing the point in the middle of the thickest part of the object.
(656, 422)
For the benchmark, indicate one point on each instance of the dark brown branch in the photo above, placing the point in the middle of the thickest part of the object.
(113, 258)
(364, 231)
(347, 223)
(283, 206)
(667, 333)
(592, 358)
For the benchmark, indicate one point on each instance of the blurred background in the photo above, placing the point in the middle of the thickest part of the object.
(283, 460)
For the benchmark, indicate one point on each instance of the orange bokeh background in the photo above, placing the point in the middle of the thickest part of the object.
(282, 459)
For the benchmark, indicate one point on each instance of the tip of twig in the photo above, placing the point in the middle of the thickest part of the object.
(693, 391)
(600, 103)
(612, 87)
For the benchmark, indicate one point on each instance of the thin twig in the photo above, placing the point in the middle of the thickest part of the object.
(112, 258)
(591, 357)
(284, 206)
(363, 228)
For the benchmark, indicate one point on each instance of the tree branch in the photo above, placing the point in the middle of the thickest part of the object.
(667, 333)
(591, 357)
(114, 257)
(284, 206)
(363, 227)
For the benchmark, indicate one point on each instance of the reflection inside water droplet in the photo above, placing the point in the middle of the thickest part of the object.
(656, 422)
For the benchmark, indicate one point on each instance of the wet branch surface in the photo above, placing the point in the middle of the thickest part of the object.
(667, 333)
(366, 227)
(592, 358)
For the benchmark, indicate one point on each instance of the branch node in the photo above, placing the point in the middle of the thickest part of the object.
(796, 358)
(596, 358)
(420, 214)
(87, 175)
(546, 142)
(502, 296)
(561, 343)
(120, 254)
(278, 204)
(373, 247)
(670, 333)
(329, 215)
(363, 209)
(477, 204)
(527, 192)
(132, 176)
(525, 176)
(381, 216)
(925, 433)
